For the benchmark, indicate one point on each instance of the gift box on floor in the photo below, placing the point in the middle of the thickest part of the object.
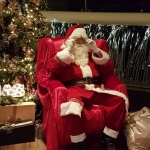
(22, 110)
(19, 132)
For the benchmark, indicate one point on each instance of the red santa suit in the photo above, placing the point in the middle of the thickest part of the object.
(113, 99)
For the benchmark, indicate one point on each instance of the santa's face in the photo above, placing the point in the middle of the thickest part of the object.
(80, 40)
(80, 52)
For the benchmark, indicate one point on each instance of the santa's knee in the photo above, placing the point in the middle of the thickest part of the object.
(71, 107)
(118, 102)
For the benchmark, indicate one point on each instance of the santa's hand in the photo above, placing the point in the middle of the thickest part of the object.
(69, 43)
(92, 45)
(65, 56)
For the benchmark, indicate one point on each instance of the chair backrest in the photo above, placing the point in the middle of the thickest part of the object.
(47, 48)
(43, 55)
(58, 41)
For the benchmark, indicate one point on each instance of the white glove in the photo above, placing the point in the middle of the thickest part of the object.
(65, 56)
(92, 45)
(69, 43)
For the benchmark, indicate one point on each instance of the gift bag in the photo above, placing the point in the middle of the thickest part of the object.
(137, 130)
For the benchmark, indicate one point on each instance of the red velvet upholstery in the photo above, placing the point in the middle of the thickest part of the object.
(52, 93)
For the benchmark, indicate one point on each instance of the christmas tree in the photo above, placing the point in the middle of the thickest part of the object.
(21, 26)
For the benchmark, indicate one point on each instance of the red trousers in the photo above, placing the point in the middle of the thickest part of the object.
(114, 107)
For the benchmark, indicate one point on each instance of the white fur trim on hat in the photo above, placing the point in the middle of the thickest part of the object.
(103, 60)
(77, 33)
(71, 107)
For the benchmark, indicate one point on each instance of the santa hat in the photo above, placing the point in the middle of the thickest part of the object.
(74, 32)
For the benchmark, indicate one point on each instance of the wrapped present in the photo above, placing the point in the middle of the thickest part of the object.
(17, 132)
(21, 111)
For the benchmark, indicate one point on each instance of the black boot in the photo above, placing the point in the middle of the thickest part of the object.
(108, 143)
(77, 146)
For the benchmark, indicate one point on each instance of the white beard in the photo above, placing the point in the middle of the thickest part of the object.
(80, 52)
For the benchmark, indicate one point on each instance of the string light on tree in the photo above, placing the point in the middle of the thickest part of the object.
(22, 25)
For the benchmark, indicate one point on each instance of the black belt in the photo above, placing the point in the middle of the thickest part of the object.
(87, 80)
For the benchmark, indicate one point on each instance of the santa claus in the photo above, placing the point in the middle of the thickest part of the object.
(78, 66)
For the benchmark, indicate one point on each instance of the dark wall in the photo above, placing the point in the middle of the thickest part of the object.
(138, 99)
(99, 5)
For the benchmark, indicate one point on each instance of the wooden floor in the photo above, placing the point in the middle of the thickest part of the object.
(37, 145)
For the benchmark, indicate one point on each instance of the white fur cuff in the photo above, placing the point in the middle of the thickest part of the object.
(103, 60)
(78, 138)
(110, 132)
(65, 56)
(70, 108)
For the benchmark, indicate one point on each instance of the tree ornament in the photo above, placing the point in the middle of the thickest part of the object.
(36, 2)
(13, 6)
(29, 24)
(7, 90)
(12, 28)
(18, 90)
(30, 54)
(24, 48)
(12, 37)
(6, 60)
(2, 5)
(12, 66)
(20, 16)
(31, 79)
(18, 79)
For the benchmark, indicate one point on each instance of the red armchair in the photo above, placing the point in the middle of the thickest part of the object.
(52, 93)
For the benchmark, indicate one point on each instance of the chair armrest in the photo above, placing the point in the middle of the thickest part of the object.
(111, 80)
(45, 91)
(50, 85)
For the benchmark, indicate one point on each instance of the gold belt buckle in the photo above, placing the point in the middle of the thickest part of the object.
(89, 80)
